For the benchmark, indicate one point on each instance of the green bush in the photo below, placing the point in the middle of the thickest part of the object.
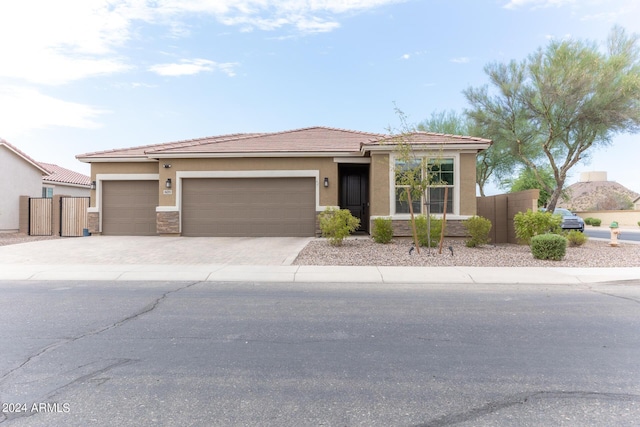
(596, 222)
(588, 220)
(548, 246)
(530, 223)
(382, 230)
(638, 223)
(423, 233)
(576, 238)
(478, 228)
(336, 224)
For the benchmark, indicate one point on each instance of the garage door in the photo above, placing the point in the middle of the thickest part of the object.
(129, 208)
(248, 207)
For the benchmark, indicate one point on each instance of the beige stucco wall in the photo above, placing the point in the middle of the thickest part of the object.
(326, 166)
(379, 184)
(467, 184)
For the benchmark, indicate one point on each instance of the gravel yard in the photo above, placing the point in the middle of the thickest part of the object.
(15, 238)
(364, 251)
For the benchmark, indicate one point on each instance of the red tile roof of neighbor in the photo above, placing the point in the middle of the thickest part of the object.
(312, 139)
(64, 176)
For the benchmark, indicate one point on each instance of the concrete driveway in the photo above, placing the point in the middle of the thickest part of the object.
(156, 250)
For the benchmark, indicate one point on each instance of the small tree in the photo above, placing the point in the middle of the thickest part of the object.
(416, 174)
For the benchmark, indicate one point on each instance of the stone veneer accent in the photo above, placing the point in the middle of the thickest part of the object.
(454, 228)
(93, 222)
(168, 222)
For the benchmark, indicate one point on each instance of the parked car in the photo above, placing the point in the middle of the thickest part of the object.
(570, 221)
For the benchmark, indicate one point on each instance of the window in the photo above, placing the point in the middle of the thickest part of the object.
(47, 192)
(439, 172)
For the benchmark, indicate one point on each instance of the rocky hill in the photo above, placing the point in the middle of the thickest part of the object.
(598, 195)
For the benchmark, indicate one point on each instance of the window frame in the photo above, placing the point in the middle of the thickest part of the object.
(454, 198)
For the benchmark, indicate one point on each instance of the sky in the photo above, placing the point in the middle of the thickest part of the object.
(79, 76)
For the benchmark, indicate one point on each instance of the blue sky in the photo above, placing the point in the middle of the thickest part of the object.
(86, 75)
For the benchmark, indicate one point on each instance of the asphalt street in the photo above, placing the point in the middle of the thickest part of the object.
(632, 236)
(339, 354)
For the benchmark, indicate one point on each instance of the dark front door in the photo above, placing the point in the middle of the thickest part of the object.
(354, 193)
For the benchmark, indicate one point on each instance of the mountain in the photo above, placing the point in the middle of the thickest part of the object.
(598, 195)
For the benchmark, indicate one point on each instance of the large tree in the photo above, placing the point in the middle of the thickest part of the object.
(553, 107)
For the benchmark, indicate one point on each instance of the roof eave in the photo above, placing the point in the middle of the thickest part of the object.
(264, 154)
(430, 147)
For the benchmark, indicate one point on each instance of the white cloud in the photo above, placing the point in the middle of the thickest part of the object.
(406, 56)
(537, 4)
(188, 67)
(24, 108)
(461, 60)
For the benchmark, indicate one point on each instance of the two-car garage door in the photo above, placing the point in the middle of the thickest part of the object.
(248, 206)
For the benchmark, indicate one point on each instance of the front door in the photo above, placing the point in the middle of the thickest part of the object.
(354, 192)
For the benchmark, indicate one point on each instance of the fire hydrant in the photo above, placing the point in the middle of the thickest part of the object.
(615, 230)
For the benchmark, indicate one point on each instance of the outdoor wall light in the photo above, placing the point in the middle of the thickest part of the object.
(326, 181)
(93, 185)
(168, 183)
(166, 165)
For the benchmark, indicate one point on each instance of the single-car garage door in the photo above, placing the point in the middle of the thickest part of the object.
(248, 207)
(129, 208)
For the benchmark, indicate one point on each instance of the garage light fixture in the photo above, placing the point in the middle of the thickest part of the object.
(93, 185)
(168, 183)
(326, 181)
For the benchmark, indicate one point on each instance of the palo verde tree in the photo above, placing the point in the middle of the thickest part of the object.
(527, 180)
(554, 107)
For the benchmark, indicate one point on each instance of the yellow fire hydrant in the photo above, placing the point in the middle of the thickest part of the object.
(615, 230)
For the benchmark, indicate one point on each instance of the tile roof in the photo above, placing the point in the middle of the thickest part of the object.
(314, 139)
(19, 153)
(429, 138)
(64, 176)
(142, 150)
(317, 139)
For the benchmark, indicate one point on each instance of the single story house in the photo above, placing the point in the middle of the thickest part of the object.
(22, 177)
(272, 184)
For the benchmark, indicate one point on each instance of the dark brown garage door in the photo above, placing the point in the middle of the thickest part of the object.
(248, 207)
(129, 208)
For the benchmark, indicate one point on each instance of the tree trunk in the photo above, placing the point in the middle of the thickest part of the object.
(413, 222)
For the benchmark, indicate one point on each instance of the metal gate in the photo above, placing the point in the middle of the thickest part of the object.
(73, 216)
(40, 216)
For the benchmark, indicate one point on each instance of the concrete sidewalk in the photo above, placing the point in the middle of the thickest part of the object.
(326, 274)
(247, 259)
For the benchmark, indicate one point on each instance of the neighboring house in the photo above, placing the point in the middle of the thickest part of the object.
(65, 182)
(636, 204)
(271, 184)
(21, 176)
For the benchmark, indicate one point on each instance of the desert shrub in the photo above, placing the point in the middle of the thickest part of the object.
(423, 233)
(588, 220)
(382, 230)
(548, 246)
(638, 223)
(596, 222)
(530, 223)
(478, 228)
(576, 238)
(336, 224)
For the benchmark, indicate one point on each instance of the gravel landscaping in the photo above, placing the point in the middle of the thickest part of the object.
(364, 251)
(15, 238)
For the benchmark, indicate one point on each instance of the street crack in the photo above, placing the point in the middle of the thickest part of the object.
(145, 310)
(521, 399)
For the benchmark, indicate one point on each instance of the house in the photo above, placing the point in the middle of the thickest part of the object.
(636, 204)
(63, 181)
(272, 184)
(21, 176)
